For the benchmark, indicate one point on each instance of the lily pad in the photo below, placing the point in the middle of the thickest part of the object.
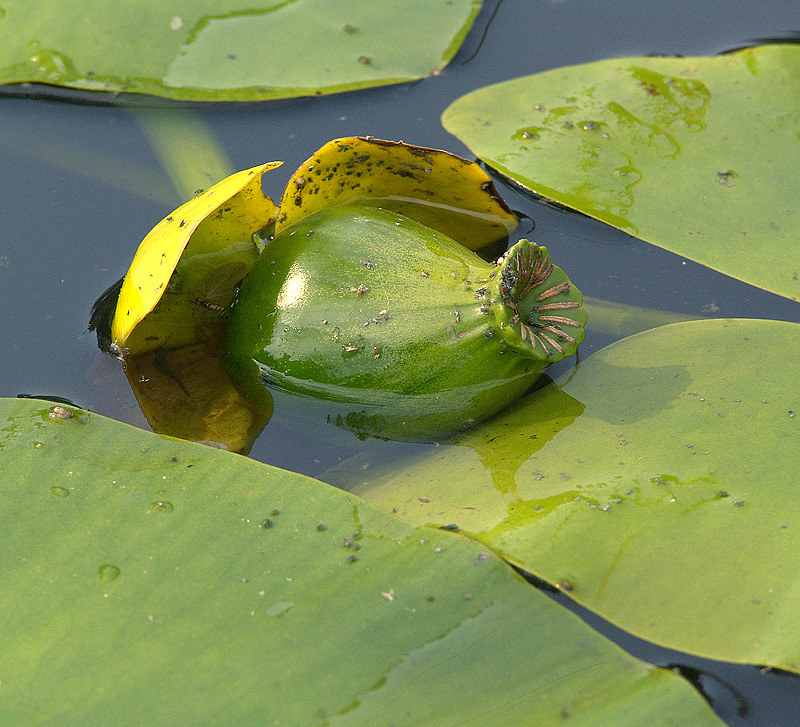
(152, 581)
(657, 484)
(216, 50)
(699, 156)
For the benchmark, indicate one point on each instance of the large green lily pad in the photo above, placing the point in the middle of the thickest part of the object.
(699, 156)
(657, 484)
(229, 49)
(158, 582)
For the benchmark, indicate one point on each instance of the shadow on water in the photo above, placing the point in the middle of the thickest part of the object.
(741, 694)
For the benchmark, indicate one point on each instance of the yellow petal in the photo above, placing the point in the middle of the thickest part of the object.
(220, 222)
(434, 187)
(186, 393)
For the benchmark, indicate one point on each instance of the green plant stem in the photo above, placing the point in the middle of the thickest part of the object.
(186, 147)
(620, 320)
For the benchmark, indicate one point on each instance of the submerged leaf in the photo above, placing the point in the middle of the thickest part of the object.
(657, 483)
(153, 582)
(699, 156)
(229, 49)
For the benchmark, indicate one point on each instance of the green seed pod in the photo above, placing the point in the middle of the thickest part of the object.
(394, 329)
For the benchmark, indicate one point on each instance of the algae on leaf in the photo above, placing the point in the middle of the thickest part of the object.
(221, 50)
(700, 156)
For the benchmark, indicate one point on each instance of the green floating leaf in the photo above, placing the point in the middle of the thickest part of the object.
(228, 49)
(657, 483)
(700, 156)
(151, 581)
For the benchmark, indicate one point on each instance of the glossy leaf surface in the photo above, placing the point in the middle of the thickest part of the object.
(151, 581)
(229, 49)
(700, 156)
(657, 484)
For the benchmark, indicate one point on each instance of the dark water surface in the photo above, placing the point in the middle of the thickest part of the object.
(81, 187)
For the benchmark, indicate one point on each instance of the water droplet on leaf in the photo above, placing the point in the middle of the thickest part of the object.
(108, 572)
(276, 610)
